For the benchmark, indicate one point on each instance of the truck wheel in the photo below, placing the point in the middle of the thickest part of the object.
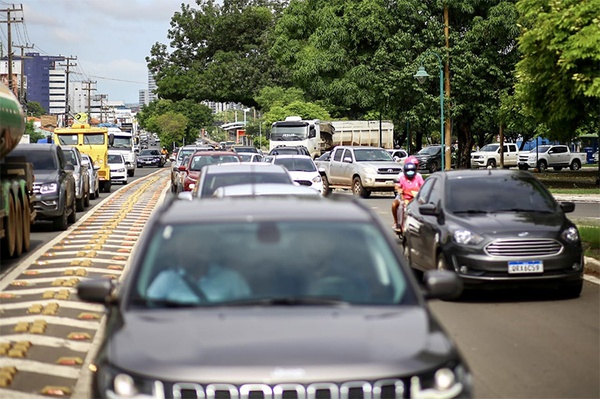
(72, 218)
(130, 173)
(358, 189)
(575, 165)
(326, 188)
(97, 192)
(542, 166)
(26, 224)
(491, 163)
(9, 240)
(433, 166)
(86, 199)
(19, 229)
(557, 168)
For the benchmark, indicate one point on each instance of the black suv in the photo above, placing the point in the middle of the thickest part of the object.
(240, 298)
(54, 185)
(290, 150)
(150, 158)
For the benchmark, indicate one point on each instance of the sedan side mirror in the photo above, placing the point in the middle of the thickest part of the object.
(96, 291)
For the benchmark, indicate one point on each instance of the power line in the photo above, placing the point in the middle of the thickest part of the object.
(113, 79)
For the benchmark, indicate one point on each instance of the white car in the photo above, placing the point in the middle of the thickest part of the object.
(399, 155)
(250, 156)
(93, 173)
(118, 170)
(303, 169)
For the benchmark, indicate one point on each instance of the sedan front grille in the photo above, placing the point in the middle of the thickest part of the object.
(524, 248)
(381, 389)
(304, 182)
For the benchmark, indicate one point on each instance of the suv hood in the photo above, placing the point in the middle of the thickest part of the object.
(258, 344)
(45, 176)
(381, 164)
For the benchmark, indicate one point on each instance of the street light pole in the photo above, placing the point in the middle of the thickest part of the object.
(421, 76)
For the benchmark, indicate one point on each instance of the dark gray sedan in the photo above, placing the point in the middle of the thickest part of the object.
(494, 229)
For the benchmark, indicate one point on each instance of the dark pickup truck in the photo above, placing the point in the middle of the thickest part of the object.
(54, 184)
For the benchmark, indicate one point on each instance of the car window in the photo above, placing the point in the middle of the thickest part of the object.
(337, 156)
(70, 157)
(67, 139)
(41, 160)
(423, 193)
(250, 261)
(498, 194)
(115, 158)
(213, 181)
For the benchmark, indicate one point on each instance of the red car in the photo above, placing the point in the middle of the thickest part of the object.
(192, 168)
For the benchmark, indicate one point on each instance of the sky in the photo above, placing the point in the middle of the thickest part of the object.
(109, 38)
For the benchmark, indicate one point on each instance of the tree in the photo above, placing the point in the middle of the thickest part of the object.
(220, 52)
(34, 108)
(172, 127)
(34, 136)
(558, 76)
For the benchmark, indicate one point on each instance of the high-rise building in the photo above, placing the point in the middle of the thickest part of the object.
(46, 83)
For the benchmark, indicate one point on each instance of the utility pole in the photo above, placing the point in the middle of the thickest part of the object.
(67, 65)
(22, 91)
(8, 21)
(447, 127)
(89, 97)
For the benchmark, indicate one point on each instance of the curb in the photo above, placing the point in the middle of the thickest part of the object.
(591, 266)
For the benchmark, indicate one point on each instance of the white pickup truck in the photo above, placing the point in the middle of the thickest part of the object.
(359, 168)
(489, 156)
(551, 156)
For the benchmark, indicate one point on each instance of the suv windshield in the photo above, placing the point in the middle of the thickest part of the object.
(239, 264)
(115, 158)
(70, 157)
(41, 160)
(296, 164)
(490, 148)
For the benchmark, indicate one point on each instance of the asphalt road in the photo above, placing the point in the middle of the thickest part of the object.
(524, 343)
(519, 344)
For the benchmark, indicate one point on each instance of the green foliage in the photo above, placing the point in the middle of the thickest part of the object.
(172, 127)
(197, 117)
(306, 110)
(277, 96)
(34, 108)
(558, 76)
(220, 52)
(34, 135)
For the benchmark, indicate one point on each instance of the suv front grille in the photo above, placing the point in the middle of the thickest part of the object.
(389, 171)
(380, 389)
(304, 182)
(516, 248)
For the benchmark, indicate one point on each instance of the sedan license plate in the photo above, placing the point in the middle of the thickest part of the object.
(533, 266)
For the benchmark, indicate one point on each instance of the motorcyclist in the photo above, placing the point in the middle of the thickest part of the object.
(407, 187)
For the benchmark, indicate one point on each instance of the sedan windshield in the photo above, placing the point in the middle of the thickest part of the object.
(287, 263)
(489, 194)
(297, 164)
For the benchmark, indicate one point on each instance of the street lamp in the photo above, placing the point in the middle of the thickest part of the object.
(421, 76)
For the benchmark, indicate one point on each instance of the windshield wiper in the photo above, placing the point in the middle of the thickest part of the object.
(523, 210)
(286, 301)
(164, 303)
(471, 211)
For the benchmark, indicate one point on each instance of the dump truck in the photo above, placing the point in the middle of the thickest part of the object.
(16, 196)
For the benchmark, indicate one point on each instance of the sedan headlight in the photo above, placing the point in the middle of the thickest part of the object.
(466, 237)
(48, 188)
(121, 170)
(316, 179)
(570, 235)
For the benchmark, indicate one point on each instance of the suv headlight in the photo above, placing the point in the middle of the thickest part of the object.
(370, 170)
(446, 383)
(48, 188)
(316, 179)
(570, 235)
(113, 383)
(466, 237)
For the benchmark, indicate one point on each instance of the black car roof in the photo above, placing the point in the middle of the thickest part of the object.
(239, 209)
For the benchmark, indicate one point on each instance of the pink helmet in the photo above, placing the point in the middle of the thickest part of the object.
(412, 159)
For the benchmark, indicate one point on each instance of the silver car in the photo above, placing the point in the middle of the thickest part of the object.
(93, 173)
(82, 180)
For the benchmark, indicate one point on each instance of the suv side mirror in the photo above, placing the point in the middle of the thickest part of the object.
(69, 167)
(111, 139)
